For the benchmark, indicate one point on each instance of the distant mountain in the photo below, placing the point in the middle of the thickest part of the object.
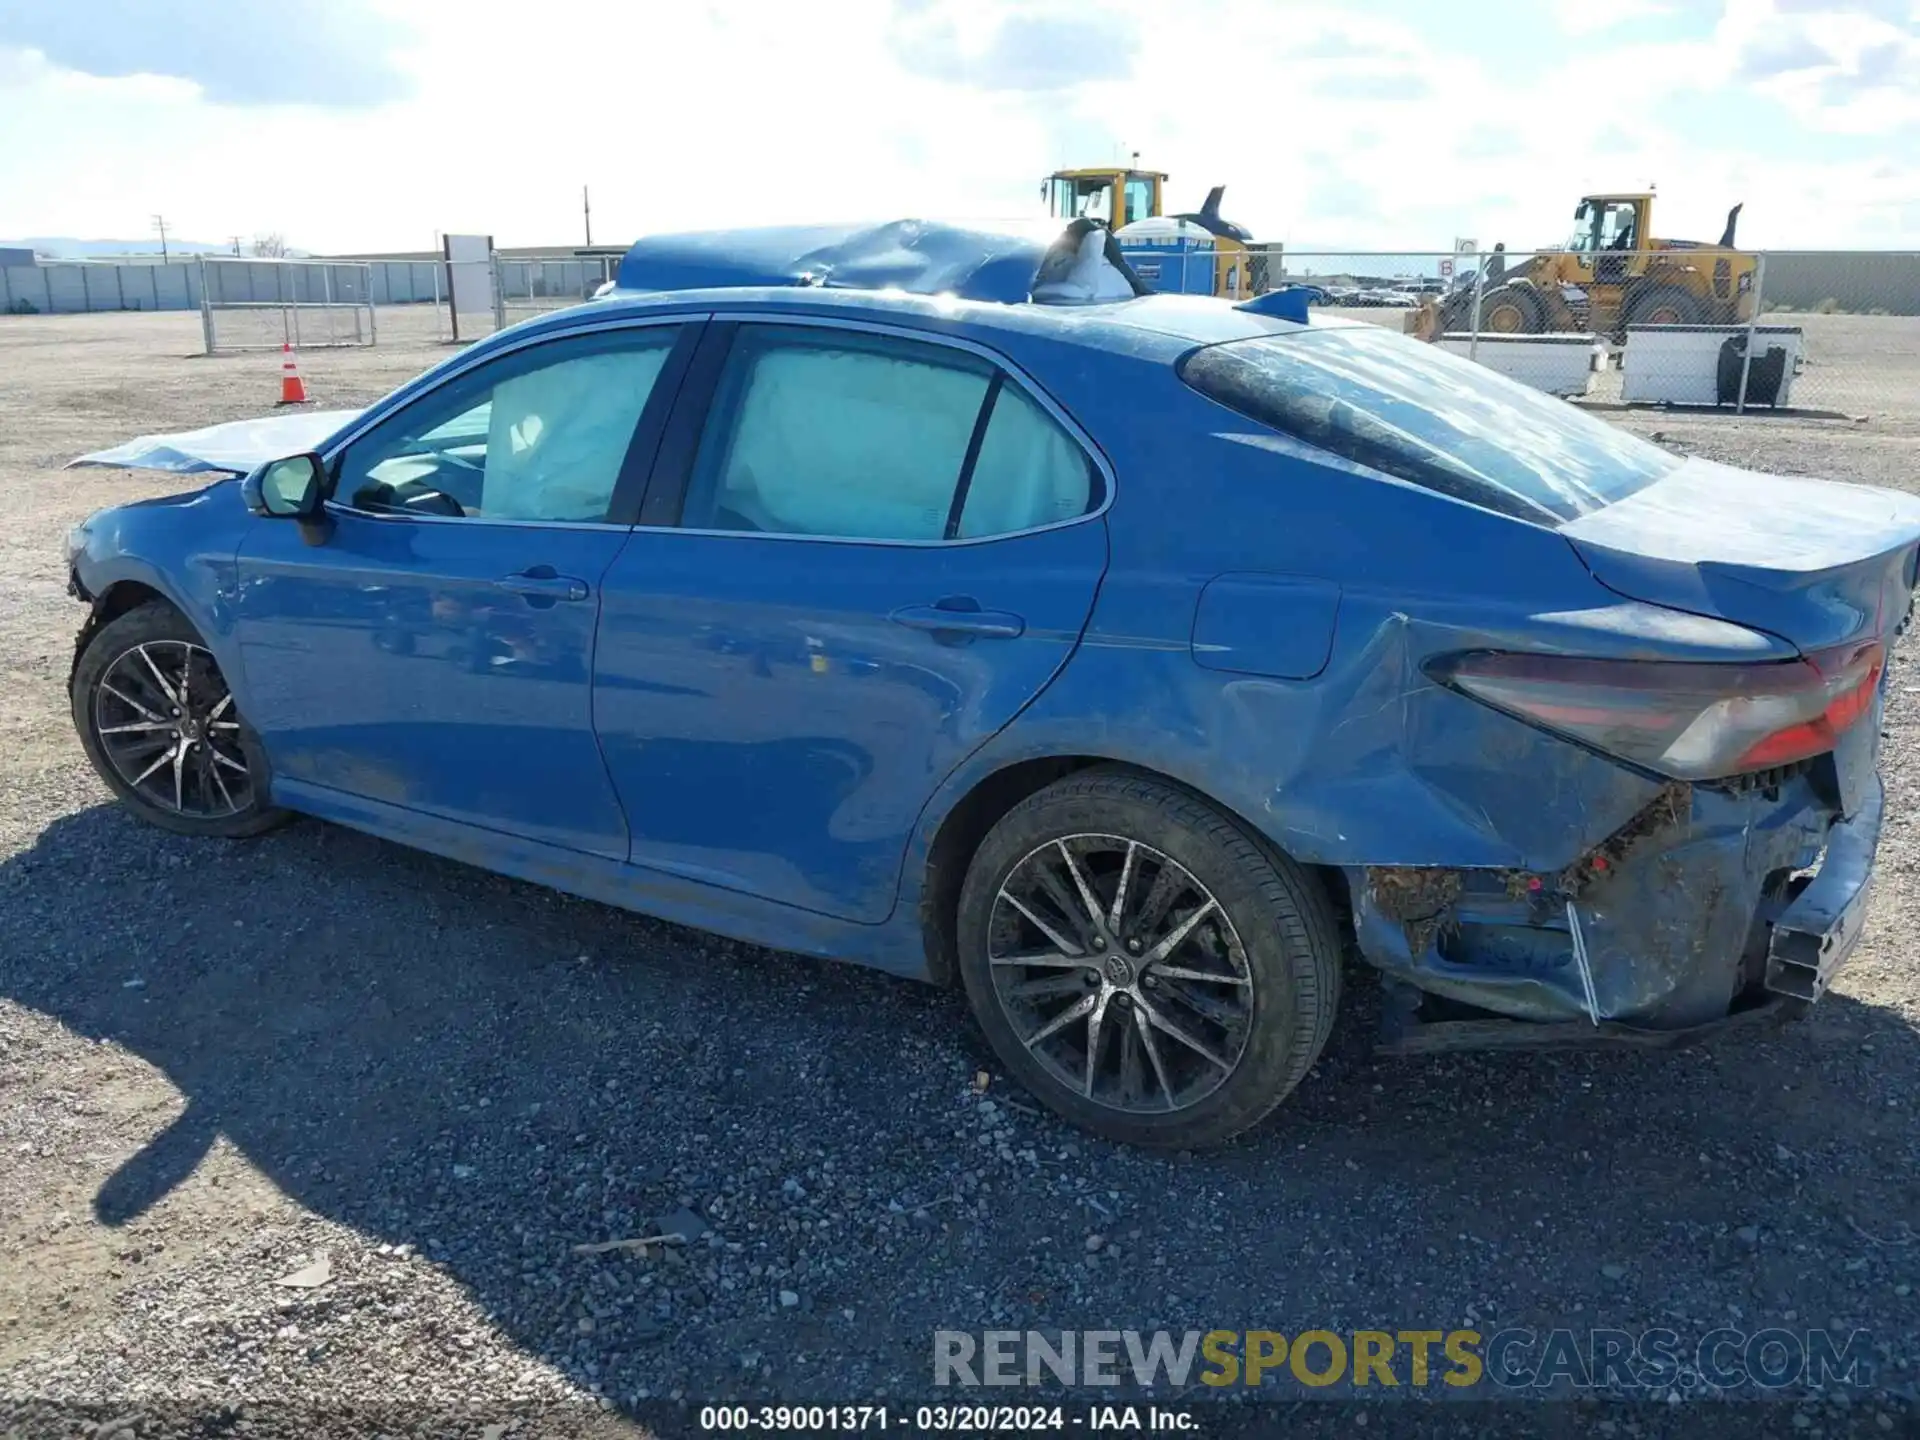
(66, 247)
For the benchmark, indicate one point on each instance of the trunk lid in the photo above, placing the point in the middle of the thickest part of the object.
(1814, 562)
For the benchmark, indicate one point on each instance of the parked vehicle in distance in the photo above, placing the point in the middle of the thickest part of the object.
(1122, 659)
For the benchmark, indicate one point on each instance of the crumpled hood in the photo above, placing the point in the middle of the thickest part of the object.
(233, 448)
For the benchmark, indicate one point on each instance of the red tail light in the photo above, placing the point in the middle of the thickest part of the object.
(1689, 721)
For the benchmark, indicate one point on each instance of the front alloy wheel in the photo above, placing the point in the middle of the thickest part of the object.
(166, 721)
(160, 725)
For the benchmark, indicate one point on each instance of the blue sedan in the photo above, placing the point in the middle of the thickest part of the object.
(940, 600)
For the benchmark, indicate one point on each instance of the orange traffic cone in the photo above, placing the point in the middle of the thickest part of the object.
(293, 390)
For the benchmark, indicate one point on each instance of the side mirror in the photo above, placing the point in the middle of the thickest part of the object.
(289, 489)
(292, 489)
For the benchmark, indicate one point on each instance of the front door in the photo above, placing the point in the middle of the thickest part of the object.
(885, 549)
(435, 651)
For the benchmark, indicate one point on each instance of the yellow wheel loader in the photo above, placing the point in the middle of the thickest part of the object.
(1122, 196)
(1612, 274)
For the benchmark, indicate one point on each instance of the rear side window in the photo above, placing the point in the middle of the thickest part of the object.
(1028, 472)
(867, 437)
(1442, 422)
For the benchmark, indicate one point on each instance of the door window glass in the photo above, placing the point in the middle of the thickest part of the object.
(1028, 473)
(866, 437)
(836, 433)
(540, 434)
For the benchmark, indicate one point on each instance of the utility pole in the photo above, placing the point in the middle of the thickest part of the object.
(586, 211)
(236, 244)
(160, 224)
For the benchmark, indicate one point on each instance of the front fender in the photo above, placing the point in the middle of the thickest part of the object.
(180, 547)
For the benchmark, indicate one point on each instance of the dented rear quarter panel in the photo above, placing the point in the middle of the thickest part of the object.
(1349, 756)
(1367, 761)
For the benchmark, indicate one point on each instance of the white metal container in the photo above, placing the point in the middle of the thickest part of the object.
(1680, 364)
(1557, 364)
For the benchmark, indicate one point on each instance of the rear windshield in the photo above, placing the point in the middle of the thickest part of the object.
(1438, 420)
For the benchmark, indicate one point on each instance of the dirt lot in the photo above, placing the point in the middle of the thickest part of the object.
(221, 1063)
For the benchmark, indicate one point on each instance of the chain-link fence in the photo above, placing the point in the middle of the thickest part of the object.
(535, 286)
(254, 304)
(1833, 333)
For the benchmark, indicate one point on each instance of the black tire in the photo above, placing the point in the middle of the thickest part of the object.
(1278, 929)
(1663, 305)
(1512, 309)
(158, 625)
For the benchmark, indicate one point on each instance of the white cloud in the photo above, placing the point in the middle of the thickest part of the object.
(1581, 18)
(1847, 68)
(1325, 124)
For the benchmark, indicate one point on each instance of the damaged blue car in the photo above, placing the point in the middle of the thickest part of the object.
(940, 600)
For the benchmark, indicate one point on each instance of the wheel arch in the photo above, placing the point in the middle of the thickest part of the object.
(118, 588)
(116, 598)
(958, 834)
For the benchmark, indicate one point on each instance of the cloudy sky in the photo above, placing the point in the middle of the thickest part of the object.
(373, 124)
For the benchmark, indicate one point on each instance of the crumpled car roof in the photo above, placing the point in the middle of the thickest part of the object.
(994, 262)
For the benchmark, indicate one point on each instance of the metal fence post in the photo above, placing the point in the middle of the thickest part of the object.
(206, 306)
(1753, 320)
(1479, 292)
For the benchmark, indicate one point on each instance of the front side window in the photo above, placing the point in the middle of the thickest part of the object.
(864, 437)
(1139, 200)
(1414, 412)
(539, 434)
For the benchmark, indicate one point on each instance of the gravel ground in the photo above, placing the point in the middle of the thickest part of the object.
(320, 1057)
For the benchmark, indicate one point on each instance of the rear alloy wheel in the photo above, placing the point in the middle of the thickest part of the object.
(1142, 964)
(160, 725)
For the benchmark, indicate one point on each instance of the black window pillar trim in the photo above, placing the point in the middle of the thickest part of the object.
(643, 449)
(679, 441)
(974, 441)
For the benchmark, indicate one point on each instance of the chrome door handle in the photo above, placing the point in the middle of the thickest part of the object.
(541, 583)
(959, 617)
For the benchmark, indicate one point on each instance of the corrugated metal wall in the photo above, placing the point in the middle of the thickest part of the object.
(63, 288)
(56, 288)
(1861, 281)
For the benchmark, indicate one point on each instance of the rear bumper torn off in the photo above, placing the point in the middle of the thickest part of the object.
(1815, 934)
(1705, 908)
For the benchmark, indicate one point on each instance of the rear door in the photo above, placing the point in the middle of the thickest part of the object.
(862, 554)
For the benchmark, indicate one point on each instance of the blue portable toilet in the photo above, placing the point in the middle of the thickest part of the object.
(1172, 257)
